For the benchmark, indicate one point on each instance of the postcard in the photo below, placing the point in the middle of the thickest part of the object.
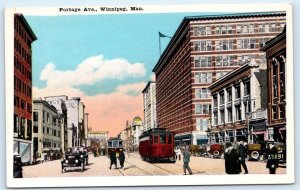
(149, 95)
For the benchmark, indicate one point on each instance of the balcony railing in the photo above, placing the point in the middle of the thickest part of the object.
(237, 101)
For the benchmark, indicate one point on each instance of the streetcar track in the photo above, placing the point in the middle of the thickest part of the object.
(168, 171)
(137, 167)
(197, 171)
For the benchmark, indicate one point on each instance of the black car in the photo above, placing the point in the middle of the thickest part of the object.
(83, 153)
(73, 160)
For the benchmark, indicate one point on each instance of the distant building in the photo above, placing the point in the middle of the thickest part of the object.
(149, 97)
(276, 58)
(74, 117)
(81, 131)
(23, 38)
(46, 127)
(202, 50)
(59, 103)
(98, 137)
(239, 102)
(86, 127)
(137, 128)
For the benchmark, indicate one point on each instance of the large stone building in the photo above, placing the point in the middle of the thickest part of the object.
(276, 59)
(74, 117)
(59, 103)
(149, 97)
(23, 38)
(47, 127)
(239, 102)
(203, 49)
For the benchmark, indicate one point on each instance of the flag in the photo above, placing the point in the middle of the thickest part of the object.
(162, 35)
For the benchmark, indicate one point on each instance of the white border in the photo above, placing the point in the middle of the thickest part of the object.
(150, 180)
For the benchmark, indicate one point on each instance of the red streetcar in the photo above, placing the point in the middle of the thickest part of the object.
(157, 145)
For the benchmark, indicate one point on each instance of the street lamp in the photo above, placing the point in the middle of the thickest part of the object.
(249, 115)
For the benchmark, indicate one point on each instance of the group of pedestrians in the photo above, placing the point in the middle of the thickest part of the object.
(114, 155)
(235, 157)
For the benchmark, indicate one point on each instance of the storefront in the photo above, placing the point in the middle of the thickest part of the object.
(182, 140)
(258, 129)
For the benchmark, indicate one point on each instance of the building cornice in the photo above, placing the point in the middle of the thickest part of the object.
(23, 20)
(44, 102)
(147, 86)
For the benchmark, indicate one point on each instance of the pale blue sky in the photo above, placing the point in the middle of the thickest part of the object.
(68, 40)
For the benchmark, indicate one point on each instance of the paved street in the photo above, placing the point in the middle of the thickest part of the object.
(134, 166)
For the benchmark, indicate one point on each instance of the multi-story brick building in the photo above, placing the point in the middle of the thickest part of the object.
(47, 127)
(239, 102)
(23, 38)
(276, 62)
(149, 97)
(203, 49)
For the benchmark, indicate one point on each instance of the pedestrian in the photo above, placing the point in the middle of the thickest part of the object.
(179, 153)
(113, 159)
(272, 162)
(242, 152)
(232, 165)
(121, 158)
(186, 160)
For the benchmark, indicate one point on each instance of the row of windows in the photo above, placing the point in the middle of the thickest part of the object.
(278, 79)
(229, 118)
(237, 94)
(228, 44)
(47, 144)
(49, 131)
(18, 65)
(22, 51)
(225, 60)
(21, 86)
(20, 128)
(238, 29)
(20, 30)
(21, 103)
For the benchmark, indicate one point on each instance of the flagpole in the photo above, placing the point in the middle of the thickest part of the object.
(159, 46)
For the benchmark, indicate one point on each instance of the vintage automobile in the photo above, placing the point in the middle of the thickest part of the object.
(216, 150)
(254, 151)
(74, 158)
(281, 148)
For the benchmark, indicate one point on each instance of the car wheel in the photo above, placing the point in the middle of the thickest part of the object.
(216, 153)
(255, 155)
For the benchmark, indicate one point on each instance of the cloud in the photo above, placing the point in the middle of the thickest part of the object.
(108, 112)
(92, 70)
(131, 89)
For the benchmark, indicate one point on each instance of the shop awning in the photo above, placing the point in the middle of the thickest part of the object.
(258, 133)
(282, 129)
